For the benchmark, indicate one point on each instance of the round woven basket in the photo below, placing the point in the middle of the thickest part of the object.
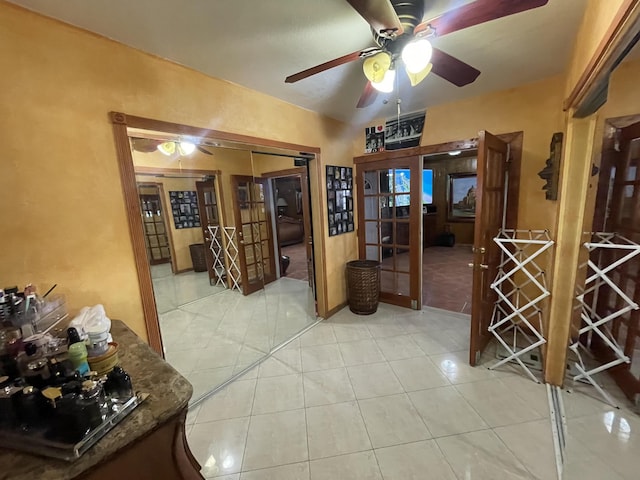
(363, 286)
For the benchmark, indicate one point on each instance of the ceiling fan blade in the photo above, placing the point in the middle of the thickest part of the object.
(368, 96)
(475, 13)
(203, 150)
(322, 67)
(145, 145)
(380, 14)
(452, 69)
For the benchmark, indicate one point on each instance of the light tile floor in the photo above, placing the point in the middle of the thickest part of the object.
(210, 334)
(391, 396)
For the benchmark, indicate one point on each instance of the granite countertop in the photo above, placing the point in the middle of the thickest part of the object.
(169, 394)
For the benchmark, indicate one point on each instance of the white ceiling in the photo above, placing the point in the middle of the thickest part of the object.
(257, 43)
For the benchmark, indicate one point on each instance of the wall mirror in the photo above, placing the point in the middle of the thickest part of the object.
(224, 236)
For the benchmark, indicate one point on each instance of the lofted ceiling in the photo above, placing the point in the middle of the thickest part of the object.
(257, 43)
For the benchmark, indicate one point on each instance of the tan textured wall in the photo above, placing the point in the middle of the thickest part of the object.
(535, 108)
(67, 222)
(597, 18)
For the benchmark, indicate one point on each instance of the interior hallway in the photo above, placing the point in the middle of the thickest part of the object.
(391, 396)
(210, 338)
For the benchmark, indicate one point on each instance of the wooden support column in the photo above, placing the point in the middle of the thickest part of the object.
(574, 186)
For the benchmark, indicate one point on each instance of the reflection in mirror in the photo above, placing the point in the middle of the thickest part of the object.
(216, 246)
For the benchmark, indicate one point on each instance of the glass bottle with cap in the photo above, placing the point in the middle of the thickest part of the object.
(34, 366)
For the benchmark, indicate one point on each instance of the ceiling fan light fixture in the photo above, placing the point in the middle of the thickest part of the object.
(167, 148)
(376, 66)
(416, 78)
(386, 85)
(416, 55)
(186, 148)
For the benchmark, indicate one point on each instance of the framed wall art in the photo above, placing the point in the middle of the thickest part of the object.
(340, 200)
(461, 196)
(184, 207)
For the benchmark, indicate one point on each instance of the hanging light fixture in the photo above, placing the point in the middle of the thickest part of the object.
(167, 148)
(183, 148)
(376, 66)
(416, 78)
(386, 85)
(186, 148)
(416, 55)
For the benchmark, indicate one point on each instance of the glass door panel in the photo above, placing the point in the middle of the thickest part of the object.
(391, 230)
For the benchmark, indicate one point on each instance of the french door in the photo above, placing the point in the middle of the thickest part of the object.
(209, 216)
(254, 233)
(620, 213)
(390, 213)
(490, 193)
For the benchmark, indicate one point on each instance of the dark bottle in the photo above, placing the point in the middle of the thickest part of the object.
(30, 407)
(70, 424)
(92, 403)
(34, 366)
(73, 335)
(118, 384)
(8, 415)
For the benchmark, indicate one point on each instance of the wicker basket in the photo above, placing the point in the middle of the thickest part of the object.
(363, 286)
(197, 257)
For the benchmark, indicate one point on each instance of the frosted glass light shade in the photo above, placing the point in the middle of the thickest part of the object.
(186, 148)
(386, 85)
(375, 66)
(167, 148)
(416, 55)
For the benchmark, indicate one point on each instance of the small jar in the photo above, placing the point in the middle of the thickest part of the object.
(78, 357)
(30, 407)
(70, 424)
(92, 403)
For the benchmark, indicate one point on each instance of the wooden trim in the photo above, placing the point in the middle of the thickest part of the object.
(184, 270)
(134, 213)
(121, 122)
(616, 39)
(165, 215)
(158, 170)
(515, 141)
(320, 235)
(158, 125)
(336, 309)
(289, 172)
(418, 151)
(574, 185)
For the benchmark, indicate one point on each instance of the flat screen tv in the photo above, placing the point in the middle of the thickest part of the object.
(401, 182)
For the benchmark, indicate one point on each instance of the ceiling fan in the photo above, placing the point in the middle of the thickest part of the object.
(148, 145)
(401, 35)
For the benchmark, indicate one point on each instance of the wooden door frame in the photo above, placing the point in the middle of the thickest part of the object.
(415, 226)
(301, 173)
(142, 170)
(121, 122)
(208, 253)
(172, 251)
(514, 139)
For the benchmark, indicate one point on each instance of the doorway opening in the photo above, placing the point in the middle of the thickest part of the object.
(448, 212)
